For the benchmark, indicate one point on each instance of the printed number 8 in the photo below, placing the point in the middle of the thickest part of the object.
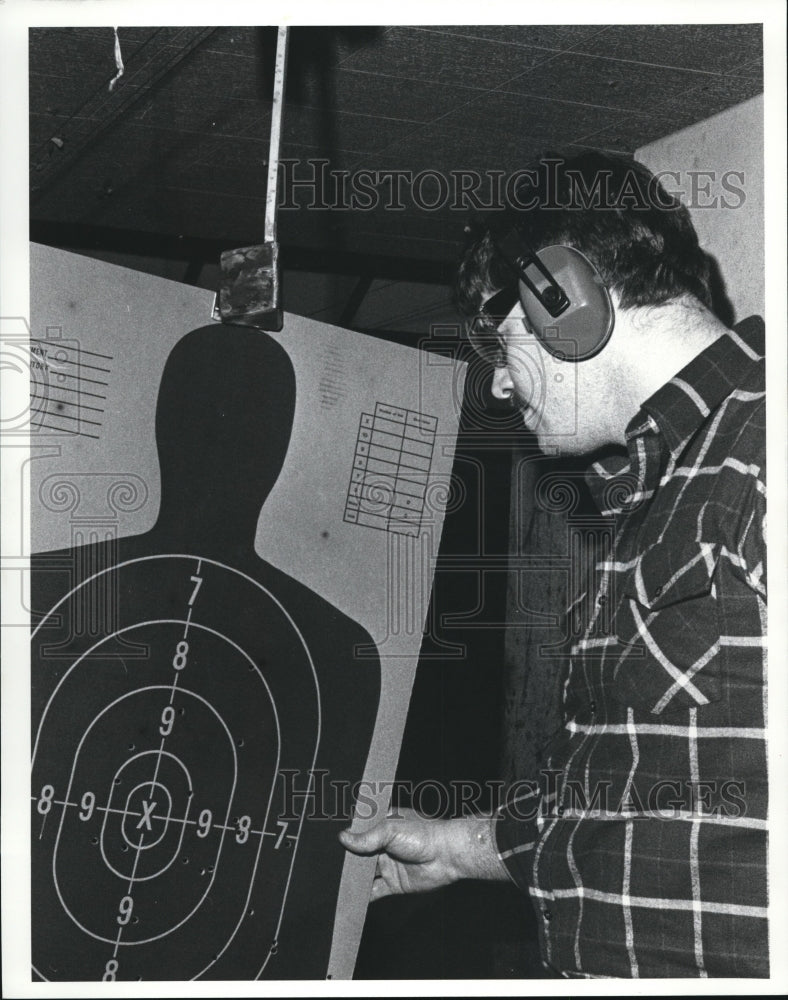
(179, 660)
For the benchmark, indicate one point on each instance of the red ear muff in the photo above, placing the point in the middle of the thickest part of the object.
(584, 323)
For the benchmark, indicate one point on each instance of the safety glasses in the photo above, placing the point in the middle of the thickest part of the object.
(483, 330)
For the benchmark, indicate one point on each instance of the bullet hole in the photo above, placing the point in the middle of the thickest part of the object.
(116, 781)
(94, 840)
(185, 860)
(135, 920)
(124, 848)
(132, 746)
(60, 407)
(324, 534)
(240, 742)
(181, 711)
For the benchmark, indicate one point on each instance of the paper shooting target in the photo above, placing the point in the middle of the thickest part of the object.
(156, 775)
(185, 694)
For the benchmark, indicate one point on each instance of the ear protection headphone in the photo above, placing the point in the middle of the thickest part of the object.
(566, 303)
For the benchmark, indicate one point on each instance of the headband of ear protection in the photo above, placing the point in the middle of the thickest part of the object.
(566, 303)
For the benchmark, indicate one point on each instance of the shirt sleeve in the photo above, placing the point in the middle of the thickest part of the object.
(516, 831)
(752, 544)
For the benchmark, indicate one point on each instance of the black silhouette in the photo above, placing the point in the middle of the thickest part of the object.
(183, 693)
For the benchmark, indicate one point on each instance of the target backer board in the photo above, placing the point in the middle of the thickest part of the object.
(146, 790)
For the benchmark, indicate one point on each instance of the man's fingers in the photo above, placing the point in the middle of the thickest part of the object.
(368, 842)
(380, 888)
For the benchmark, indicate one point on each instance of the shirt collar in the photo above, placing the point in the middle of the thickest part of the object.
(681, 405)
(674, 412)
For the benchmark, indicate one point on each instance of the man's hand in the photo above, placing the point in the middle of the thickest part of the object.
(417, 854)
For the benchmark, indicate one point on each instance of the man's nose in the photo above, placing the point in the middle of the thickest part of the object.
(502, 385)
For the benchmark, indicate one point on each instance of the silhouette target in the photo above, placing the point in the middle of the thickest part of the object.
(199, 718)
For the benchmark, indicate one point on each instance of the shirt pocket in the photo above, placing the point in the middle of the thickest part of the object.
(667, 625)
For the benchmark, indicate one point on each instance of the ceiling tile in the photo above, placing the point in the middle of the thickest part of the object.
(752, 68)
(474, 172)
(606, 82)
(44, 127)
(330, 44)
(242, 41)
(86, 55)
(214, 76)
(367, 93)
(334, 130)
(547, 36)
(712, 95)
(127, 34)
(448, 59)
(629, 133)
(228, 116)
(514, 115)
(474, 103)
(713, 48)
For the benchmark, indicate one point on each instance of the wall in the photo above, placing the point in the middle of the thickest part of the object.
(721, 153)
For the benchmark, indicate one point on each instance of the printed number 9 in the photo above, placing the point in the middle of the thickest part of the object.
(88, 802)
(204, 823)
(167, 719)
(124, 910)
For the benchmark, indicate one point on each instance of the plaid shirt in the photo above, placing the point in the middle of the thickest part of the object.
(644, 845)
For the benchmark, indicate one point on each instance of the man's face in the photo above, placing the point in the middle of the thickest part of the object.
(565, 404)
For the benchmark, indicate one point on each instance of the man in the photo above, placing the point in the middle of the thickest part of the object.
(643, 844)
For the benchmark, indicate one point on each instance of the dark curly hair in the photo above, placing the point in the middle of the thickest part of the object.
(613, 209)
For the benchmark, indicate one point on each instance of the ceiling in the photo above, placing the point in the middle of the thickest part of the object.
(176, 151)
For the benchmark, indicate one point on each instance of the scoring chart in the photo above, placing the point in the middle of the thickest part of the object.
(161, 847)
